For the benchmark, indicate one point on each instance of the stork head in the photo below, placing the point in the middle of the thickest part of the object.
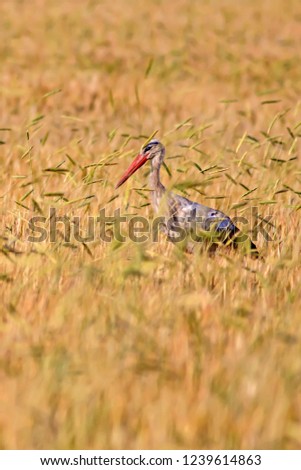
(153, 150)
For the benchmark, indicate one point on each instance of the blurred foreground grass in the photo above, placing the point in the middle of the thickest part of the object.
(130, 346)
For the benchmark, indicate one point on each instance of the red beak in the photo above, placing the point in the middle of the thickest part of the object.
(135, 165)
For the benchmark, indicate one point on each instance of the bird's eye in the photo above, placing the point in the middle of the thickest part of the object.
(147, 148)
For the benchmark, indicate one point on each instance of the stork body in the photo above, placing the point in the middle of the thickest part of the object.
(184, 218)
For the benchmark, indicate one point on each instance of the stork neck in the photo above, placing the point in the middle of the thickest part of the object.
(154, 177)
(155, 185)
